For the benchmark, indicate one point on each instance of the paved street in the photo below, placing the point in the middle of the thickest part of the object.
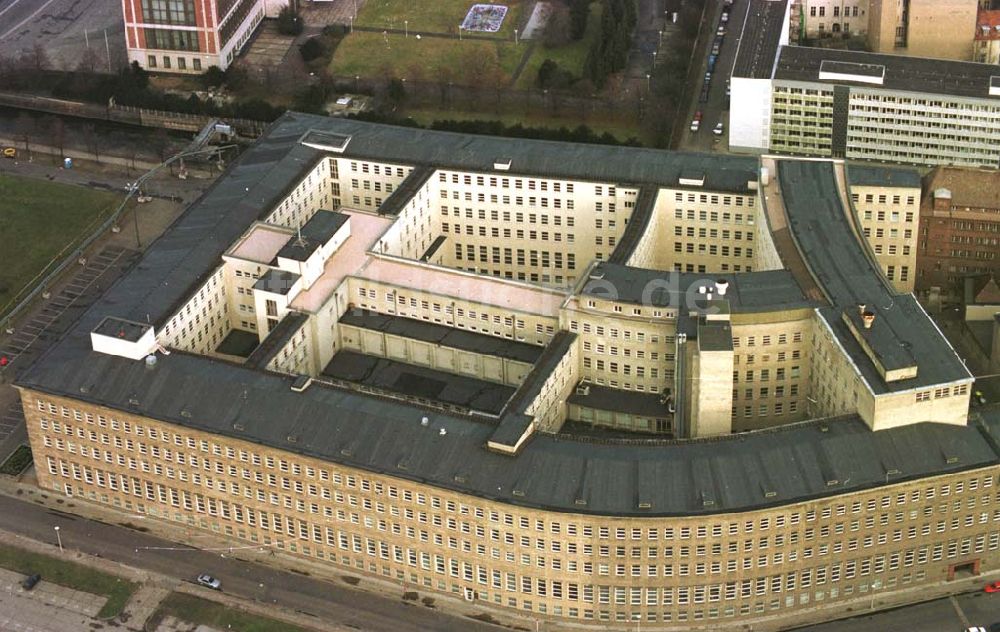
(330, 602)
(941, 615)
(64, 27)
(717, 108)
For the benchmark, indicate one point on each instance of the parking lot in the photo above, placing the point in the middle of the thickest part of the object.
(64, 28)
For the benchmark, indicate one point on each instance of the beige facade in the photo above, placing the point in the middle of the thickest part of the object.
(833, 18)
(889, 217)
(942, 29)
(683, 570)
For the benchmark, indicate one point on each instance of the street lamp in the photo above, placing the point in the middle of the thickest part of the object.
(647, 82)
(58, 539)
(515, 37)
(406, 27)
(654, 60)
(351, 18)
(460, 32)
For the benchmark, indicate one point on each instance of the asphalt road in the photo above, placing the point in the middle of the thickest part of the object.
(717, 108)
(63, 27)
(941, 615)
(326, 601)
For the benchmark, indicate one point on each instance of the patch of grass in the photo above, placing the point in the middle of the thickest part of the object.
(41, 221)
(621, 128)
(570, 57)
(71, 575)
(201, 611)
(17, 462)
(439, 16)
(429, 58)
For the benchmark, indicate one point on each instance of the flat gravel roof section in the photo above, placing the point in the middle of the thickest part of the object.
(616, 400)
(902, 73)
(443, 335)
(888, 177)
(838, 263)
(760, 39)
(419, 381)
(747, 291)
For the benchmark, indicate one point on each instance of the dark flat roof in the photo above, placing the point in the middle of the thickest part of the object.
(407, 189)
(443, 335)
(617, 400)
(902, 73)
(747, 292)
(317, 231)
(889, 177)
(759, 40)
(838, 263)
(122, 329)
(276, 281)
(419, 381)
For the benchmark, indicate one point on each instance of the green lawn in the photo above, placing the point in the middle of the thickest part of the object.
(17, 462)
(41, 221)
(201, 611)
(71, 575)
(620, 127)
(426, 59)
(570, 57)
(436, 16)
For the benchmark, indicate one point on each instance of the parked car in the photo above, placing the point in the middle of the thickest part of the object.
(719, 129)
(992, 587)
(30, 581)
(696, 122)
(209, 582)
(976, 628)
(725, 16)
(721, 30)
(711, 62)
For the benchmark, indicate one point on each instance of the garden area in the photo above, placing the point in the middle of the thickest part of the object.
(41, 222)
(208, 613)
(17, 462)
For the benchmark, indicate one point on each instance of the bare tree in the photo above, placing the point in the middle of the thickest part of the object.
(57, 135)
(88, 61)
(38, 59)
(26, 130)
(94, 140)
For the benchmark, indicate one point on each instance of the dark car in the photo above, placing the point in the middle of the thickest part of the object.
(30, 581)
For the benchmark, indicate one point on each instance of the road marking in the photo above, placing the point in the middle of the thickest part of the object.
(25, 20)
(958, 611)
(10, 6)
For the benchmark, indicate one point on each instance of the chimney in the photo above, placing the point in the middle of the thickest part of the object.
(868, 318)
(721, 285)
(861, 308)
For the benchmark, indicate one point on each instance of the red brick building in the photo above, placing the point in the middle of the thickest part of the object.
(189, 36)
(959, 229)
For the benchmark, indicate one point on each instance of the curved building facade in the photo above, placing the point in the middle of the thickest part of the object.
(594, 384)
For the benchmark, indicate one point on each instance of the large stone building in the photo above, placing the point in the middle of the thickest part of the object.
(940, 29)
(512, 370)
(959, 231)
(857, 105)
(987, 41)
(190, 36)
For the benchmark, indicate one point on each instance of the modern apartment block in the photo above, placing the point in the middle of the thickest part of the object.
(959, 230)
(860, 106)
(190, 36)
(418, 355)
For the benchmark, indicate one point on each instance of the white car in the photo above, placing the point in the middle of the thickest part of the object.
(719, 129)
(976, 628)
(695, 125)
(209, 582)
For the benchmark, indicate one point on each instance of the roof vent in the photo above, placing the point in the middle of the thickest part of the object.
(868, 318)
(583, 389)
(832, 483)
(770, 493)
(292, 438)
(459, 478)
(238, 426)
(442, 432)
(702, 289)
(151, 361)
(347, 452)
(861, 308)
(645, 505)
(518, 492)
(721, 286)
(580, 501)
(132, 401)
(502, 164)
(424, 421)
(186, 413)
(301, 383)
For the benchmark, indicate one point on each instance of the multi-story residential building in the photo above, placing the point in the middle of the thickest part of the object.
(987, 42)
(861, 106)
(189, 36)
(941, 29)
(325, 375)
(831, 18)
(959, 230)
